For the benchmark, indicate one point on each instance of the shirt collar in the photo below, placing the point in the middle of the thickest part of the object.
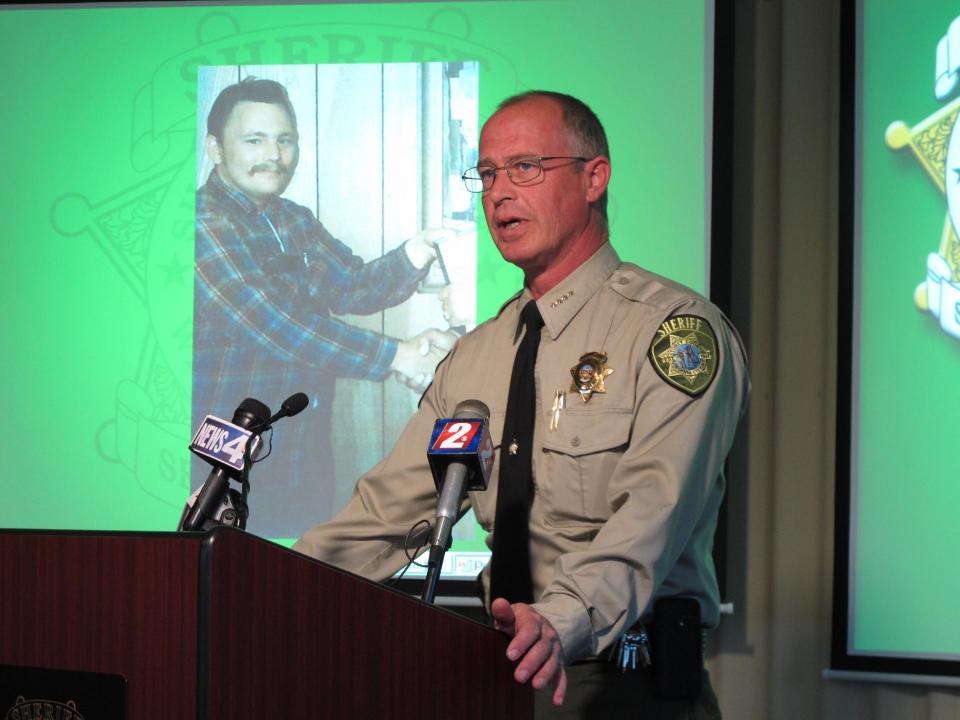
(561, 304)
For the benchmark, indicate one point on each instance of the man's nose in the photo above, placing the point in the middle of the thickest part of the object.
(271, 150)
(502, 189)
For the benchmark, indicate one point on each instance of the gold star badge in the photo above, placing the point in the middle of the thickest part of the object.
(589, 373)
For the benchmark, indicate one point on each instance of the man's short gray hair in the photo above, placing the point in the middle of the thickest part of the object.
(587, 136)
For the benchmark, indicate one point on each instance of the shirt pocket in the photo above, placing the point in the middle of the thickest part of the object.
(579, 457)
(484, 503)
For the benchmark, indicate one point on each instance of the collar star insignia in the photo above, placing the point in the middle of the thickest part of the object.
(589, 374)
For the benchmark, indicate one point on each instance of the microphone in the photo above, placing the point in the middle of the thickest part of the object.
(289, 407)
(460, 456)
(225, 446)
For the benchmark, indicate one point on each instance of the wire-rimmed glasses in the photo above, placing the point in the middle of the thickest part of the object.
(520, 170)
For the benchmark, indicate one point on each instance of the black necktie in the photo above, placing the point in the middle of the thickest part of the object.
(510, 569)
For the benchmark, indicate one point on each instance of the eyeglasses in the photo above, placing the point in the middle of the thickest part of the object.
(521, 171)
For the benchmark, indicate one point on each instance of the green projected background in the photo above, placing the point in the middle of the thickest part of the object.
(98, 201)
(905, 538)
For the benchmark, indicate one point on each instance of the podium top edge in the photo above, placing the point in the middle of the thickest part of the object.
(62, 532)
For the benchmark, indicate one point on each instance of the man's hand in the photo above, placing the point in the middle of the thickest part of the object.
(456, 303)
(417, 358)
(421, 248)
(535, 644)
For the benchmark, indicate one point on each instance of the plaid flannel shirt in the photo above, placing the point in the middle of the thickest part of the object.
(266, 285)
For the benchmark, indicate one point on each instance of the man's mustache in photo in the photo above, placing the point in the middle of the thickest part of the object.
(271, 168)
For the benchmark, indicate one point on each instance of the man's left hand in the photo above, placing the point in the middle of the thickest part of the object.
(535, 644)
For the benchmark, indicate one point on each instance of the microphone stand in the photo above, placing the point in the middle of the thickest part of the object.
(454, 488)
(226, 506)
(433, 573)
(240, 499)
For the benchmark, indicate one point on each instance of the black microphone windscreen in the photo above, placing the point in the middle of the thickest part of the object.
(251, 413)
(294, 404)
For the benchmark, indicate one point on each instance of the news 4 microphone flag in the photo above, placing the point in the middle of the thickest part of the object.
(222, 442)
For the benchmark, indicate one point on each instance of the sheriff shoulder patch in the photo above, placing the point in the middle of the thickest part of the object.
(684, 353)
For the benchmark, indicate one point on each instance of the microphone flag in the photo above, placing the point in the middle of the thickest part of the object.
(223, 443)
(461, 440)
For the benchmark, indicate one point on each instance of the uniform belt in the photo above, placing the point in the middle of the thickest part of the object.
(675, 666)
(612, 655)
(633, 650)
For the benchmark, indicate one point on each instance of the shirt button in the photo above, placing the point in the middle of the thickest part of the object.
(575, 442)
(623, 280)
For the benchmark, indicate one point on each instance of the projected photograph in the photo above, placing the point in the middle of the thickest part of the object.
(386, 99)
(335, 256)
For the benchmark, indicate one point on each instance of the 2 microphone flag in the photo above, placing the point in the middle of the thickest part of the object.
(464, 441)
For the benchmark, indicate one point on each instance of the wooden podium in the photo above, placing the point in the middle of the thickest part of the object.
(224, 625)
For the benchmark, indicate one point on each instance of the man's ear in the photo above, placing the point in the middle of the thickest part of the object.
(213, 149)
(597, 174)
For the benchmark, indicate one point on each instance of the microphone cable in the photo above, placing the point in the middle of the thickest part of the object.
(412, 559)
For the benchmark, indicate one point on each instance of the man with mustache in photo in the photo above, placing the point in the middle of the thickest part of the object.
(270, 280)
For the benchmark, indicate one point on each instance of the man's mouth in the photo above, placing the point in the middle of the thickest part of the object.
(509, 222)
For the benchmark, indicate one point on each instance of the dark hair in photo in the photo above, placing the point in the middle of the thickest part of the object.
(250, 89)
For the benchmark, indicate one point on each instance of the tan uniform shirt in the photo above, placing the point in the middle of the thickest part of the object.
(628, 485)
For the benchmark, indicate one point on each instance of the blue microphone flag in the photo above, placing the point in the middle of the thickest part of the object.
(222, 442)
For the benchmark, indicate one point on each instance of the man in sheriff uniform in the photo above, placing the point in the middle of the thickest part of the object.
(636, 390)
